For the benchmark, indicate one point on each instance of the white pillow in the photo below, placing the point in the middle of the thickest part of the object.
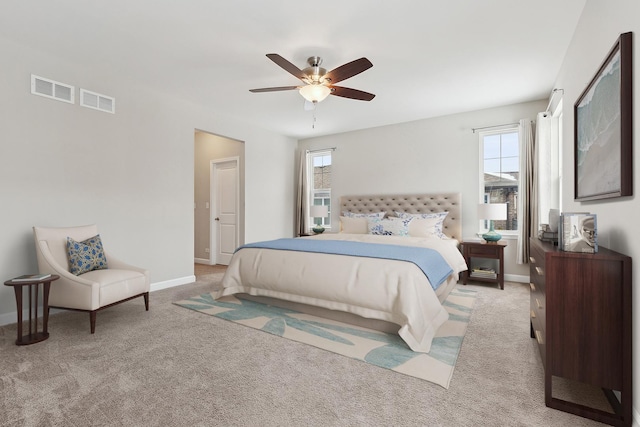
(379, 215)
(353, 225)
(389, 226)
(427, 227)
(439, 216)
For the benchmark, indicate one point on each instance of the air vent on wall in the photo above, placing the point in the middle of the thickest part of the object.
(97, 101)
(52, 89)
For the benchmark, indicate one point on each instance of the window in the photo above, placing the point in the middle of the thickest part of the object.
(500, 173)
(320, 179)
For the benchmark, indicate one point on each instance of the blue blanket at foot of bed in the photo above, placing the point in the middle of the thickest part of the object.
(428, 260)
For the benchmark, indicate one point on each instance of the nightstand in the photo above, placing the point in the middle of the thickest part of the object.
(482, 249)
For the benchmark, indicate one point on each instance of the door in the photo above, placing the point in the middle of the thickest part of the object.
(224, 226)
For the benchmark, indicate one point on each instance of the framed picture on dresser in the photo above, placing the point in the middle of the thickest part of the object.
(579, 232)
(603, 128)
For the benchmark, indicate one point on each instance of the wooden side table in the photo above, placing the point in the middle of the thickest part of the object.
(33, 336)
(482, 249)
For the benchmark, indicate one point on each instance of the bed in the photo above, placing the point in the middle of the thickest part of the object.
(392, 295)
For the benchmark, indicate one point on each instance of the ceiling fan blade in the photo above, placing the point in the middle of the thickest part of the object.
(273, 89)
(346, 92)
(350, 69)
(286, 65)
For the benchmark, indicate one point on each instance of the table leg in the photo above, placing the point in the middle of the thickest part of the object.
(18, 292)
(465, 274)
(501, 271)
(35, 319)
(45, 308)
(30, 290)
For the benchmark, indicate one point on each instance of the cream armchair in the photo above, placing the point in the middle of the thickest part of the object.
(91, 291)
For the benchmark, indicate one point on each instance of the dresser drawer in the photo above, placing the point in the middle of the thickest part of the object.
(537, 269)
(537, 310)
(540, 337)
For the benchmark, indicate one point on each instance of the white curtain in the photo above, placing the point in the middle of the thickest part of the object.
(302, 201)
(528, 197)
(547, 147)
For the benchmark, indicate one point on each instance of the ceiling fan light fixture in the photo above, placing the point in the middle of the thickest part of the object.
(315, 92)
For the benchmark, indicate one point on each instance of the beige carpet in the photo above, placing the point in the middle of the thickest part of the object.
(176, 367)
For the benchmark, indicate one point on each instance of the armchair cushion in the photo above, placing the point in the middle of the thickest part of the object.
(86, 256)
(116, 285)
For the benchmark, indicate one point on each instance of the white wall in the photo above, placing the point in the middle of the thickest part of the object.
(599, 27)
(426, 156)
(132, 173)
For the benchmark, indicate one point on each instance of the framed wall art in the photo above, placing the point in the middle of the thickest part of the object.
(603, 129)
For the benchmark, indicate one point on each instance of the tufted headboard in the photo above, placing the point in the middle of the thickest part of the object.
(411, 203)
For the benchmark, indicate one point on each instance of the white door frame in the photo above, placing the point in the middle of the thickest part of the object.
(213, 227)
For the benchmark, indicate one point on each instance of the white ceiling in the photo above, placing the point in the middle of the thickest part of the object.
(430, 58)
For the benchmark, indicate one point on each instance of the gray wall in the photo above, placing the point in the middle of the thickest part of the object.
(601, 24)
(424, 156)
(132, 173)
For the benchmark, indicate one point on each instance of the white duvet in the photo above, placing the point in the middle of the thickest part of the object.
(390, 290)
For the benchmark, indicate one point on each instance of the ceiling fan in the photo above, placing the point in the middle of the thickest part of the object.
(318, 83)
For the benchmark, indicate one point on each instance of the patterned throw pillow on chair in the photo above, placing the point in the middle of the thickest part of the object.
(86, 256)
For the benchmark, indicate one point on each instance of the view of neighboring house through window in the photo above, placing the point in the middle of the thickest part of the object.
(500, 172)
(320, 169)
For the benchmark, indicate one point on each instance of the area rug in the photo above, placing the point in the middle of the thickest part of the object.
(377, 348)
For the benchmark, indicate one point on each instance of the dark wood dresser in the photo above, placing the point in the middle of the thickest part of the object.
(581, 318)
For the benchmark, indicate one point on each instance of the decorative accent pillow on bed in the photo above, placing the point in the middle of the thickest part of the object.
(389, 226)
(378, 215)
(353, 225)
(86, 256)
(439, 216)
(427, 227)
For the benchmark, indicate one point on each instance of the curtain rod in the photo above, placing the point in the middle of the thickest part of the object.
(322, 149)
(553, 93)
(494, 126)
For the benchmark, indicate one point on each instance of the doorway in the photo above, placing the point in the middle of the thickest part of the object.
(210, 150)
(224, 210)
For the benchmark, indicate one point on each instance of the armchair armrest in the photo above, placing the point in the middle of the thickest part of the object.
(116, 263)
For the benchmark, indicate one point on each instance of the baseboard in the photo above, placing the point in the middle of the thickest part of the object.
(12, 317)
(205, 261)
(9, 318)
(173, 282)
(516, 278)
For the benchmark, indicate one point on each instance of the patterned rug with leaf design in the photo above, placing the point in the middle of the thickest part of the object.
(377, 348)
